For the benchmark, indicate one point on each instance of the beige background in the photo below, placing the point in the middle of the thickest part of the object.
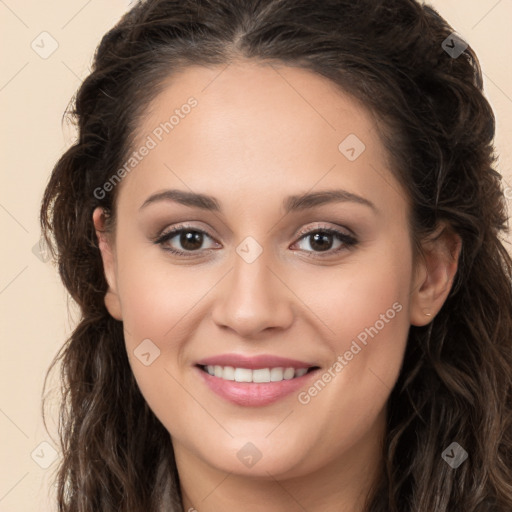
(34, 93)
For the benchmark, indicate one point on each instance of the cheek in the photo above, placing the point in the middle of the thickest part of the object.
(155, 295)
(374, 316)
(366, 298)
(366, 311)
(158, 303)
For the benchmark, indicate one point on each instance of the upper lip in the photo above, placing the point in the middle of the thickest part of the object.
(253, 362)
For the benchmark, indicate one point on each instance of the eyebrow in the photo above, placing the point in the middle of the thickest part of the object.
(291, 203)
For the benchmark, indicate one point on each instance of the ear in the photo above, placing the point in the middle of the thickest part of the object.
(434, 274)
(106, 247)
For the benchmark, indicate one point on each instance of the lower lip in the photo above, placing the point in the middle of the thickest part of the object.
(253, 394)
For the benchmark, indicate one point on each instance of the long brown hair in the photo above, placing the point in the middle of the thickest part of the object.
(456, 380)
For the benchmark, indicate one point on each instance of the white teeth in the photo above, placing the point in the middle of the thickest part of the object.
(289, 373)
(258, 375)
(276, 374)
(243, 375)
(229, 373)
(300, 372)
(262, 375)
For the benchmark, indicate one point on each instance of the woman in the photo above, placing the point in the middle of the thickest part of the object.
(282, 225)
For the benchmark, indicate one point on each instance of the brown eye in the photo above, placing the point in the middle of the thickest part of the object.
(183, 240)
(322, 240)
(191, 240)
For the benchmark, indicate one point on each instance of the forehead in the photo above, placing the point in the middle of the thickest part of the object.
(261, 126)
(253, 100)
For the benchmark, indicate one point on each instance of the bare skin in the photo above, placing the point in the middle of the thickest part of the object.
(252, 141)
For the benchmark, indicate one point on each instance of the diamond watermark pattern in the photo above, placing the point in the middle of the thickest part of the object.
(249, 455)
(146, 352)
(44, 45)
(44, 455)
(351, 147)
(249, 250)
(454, 45)
(454, 455)
(40, 251)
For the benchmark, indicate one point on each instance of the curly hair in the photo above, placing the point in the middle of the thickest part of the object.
(438, 128)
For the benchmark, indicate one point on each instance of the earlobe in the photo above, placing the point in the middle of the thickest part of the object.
(112, 302)
(434, 275)
(113, 305)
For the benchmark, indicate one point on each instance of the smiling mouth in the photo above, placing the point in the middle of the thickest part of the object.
(259, 375)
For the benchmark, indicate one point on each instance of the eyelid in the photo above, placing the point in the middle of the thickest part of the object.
(170, 233)
(324, 227)
(348, 240)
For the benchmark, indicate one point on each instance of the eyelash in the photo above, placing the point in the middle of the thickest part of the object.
(348, 241)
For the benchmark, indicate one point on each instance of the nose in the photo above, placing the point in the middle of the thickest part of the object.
(253, 298)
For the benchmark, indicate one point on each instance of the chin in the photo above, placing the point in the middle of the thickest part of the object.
(260, 458)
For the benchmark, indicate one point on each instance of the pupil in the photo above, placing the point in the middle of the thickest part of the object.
(191, 240)
(322, 240)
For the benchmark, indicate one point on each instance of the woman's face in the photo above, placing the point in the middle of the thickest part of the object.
(287, 163)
